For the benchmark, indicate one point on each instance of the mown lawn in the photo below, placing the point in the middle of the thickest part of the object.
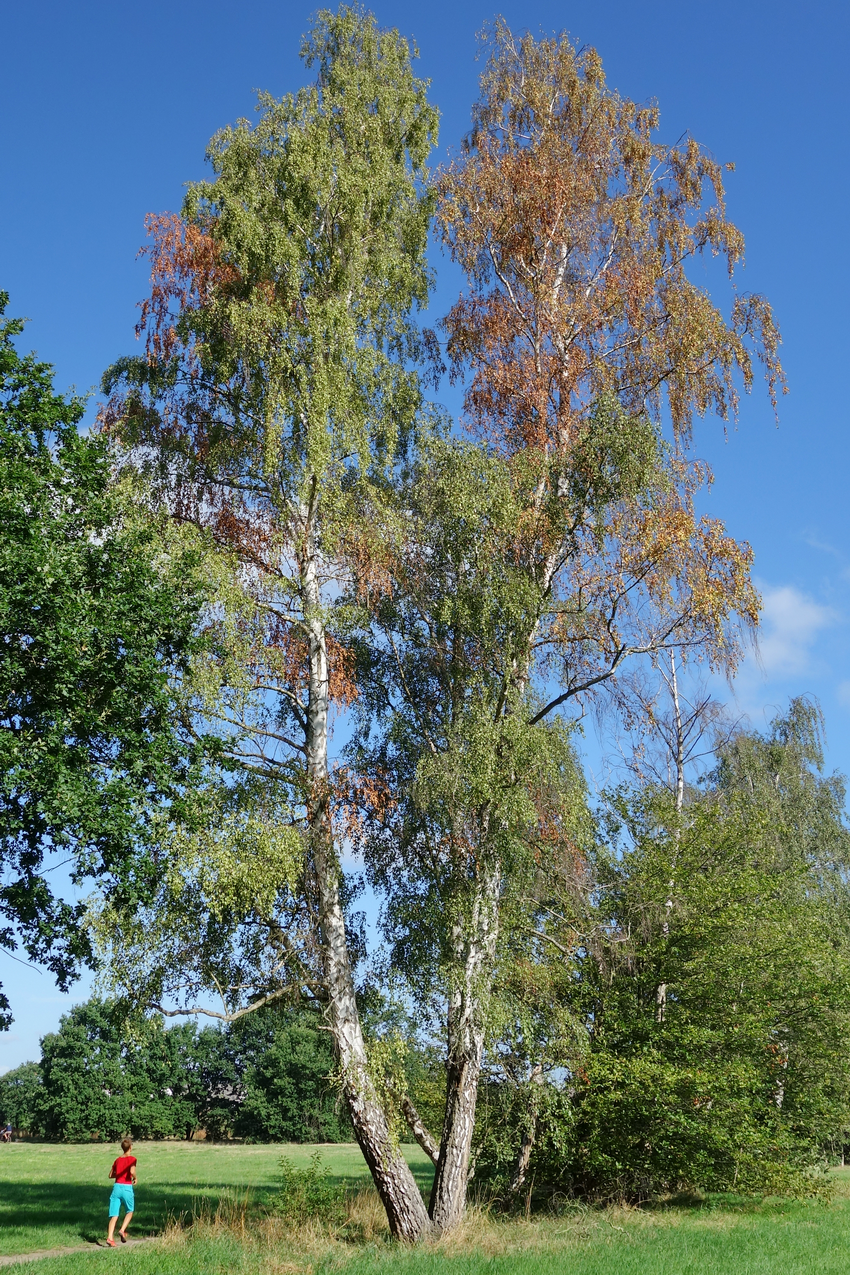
(67, 1186)
(51, 1196)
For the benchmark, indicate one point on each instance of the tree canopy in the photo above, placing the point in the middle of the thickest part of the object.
(96, 613)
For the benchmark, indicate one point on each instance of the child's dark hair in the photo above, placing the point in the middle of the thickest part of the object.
(125, 1145)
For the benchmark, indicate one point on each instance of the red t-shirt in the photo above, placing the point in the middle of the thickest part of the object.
(121, 1169)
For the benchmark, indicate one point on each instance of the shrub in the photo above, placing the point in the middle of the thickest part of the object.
(310, 1194)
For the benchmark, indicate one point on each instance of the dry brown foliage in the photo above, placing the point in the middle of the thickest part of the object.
(575, 229)
(186, 268)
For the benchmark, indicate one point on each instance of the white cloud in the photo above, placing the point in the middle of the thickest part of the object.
(791, 622)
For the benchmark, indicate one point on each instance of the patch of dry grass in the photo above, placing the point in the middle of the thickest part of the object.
(268, 1244)
(271, 1243)
(265, 1236)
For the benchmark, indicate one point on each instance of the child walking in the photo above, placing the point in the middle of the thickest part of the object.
(124, 1173)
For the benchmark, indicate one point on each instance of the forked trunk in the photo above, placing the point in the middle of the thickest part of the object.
(396, 1186)
(476, 948)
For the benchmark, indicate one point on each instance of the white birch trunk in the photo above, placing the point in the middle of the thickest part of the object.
(401, 1197)
(679, 763)
(475, 950)
(416, 1125)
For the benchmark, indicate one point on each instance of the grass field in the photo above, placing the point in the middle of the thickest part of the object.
(54, 1196)
(51, 1196)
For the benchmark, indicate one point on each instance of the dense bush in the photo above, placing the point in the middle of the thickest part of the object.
(310, 1194)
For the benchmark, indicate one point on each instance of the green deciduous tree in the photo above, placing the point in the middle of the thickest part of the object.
(290, 1093)
(100, 1081)
(20, 1097)
(269, 1077)
(737, 906)
(96, 615)
(277, 382)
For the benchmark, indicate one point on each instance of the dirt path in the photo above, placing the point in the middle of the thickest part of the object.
(12, 1259)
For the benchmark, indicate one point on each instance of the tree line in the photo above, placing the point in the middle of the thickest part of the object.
(276, 533)
(266, 1079)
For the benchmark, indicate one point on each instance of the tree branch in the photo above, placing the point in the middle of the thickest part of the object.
(420, 1133)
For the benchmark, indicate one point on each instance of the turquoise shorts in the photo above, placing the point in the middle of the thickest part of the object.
(122, 1193)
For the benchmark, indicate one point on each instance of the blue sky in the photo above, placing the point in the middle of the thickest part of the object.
(107, 109)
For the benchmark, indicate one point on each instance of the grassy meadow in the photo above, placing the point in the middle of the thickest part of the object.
(52, 1196)
(55, 1195)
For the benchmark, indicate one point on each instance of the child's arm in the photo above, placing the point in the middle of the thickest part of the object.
(133, 1173)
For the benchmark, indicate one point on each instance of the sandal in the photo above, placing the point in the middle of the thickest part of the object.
(122, 1237)
(111, 1244)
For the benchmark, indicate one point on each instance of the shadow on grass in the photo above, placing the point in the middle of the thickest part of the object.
(58, 1212)
(736, 1205)
(82, 1210)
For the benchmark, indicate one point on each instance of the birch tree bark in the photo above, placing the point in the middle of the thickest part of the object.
(475, 952)
(396, 1186)
(678, 760)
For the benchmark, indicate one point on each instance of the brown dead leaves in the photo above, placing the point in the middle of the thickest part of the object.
(186, 268)
(574, 229)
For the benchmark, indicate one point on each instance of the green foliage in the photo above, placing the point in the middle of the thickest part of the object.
(268, 1077)
(224, 909)
(221, 1060)
(290, 1094)
(99, 1082)
(714, 994)
(96, 616)
(288, 370)
(474, 785)
(425, 1074)
(309, 1195)
(20, 1097)
(323, 346)
(687, 1119)
(617, 457)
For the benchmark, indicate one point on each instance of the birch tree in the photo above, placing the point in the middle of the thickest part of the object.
(467, 800)
(278, 379)
(585, 353)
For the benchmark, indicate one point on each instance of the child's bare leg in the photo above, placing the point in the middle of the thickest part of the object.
(127, 1219)
(111, 1231)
